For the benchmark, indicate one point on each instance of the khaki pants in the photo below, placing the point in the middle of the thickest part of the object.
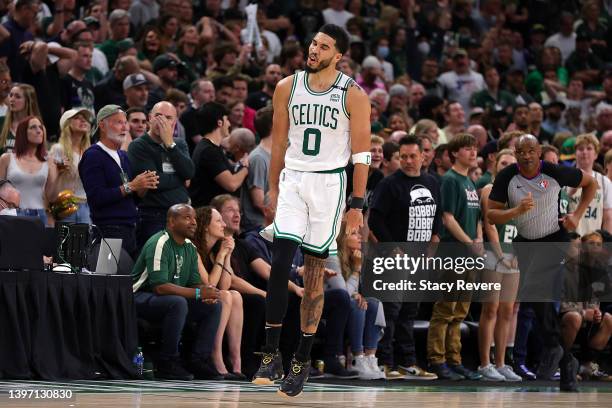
(444, 335)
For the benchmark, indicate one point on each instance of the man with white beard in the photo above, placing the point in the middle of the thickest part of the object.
(109, 182)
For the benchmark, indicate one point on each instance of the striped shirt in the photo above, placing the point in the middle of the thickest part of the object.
(510, 187)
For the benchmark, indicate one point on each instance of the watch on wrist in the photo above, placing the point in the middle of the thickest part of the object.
(171, 146)
(126, 187)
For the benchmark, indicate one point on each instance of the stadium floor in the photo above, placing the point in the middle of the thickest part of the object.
(322, 393)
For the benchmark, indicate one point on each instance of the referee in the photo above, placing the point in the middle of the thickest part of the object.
(528, 192)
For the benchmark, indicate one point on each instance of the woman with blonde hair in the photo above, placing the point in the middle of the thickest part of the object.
(75, 126)
(22, 102)
(499, 311)
(28, 169)
(215, 252)
(427, 128)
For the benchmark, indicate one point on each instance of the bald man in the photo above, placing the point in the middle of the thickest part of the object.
(528, 192)
(157, 150)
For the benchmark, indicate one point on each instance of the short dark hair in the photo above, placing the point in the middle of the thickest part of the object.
(439, 151)
(135, 110)
(223, 82)
(263, 121)
(223, 48)
(339, 34)
(519, 106)
(460, 141)
(409, 140)
(389, 149)
(208, 115)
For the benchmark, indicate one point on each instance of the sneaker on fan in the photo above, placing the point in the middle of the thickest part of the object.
(360, 364)
(416, 373)
(391, 374)
(373, 363)
(490, 373)
(268, 233)
(591, 371)
(509, 373)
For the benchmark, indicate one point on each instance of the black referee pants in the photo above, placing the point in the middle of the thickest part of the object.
(537, 268)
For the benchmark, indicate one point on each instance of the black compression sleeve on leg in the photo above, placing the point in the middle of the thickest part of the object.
(283, 251)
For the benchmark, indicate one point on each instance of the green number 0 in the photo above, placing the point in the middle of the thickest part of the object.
(317, 142)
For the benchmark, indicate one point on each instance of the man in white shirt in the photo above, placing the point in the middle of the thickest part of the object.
(461, 83)
(336, 14)
(565, 39)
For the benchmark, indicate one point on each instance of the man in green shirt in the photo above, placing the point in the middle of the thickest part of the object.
(492, 98)
(462, 229)
(168, 290)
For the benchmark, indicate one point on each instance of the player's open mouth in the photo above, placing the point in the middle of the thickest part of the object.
(312, 59)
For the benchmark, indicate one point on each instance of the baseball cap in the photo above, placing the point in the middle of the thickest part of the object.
(125, 44)
(91, 21)
(568, 149)
(133, 80)
(460, 52)
(538, 28)
(71, 113)
(164, 61)
(476, 111)
(370, 62)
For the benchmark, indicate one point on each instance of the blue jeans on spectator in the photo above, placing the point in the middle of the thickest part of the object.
(336, 310)
(81, 216)
(125, 232)
(173, 311)
(150, 222)
(526, 323)
(362, 328)
(34, 212)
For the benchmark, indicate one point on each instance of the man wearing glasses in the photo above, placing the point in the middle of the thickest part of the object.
(9, 198)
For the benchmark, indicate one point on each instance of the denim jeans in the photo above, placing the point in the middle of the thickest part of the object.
(336, 310)
(82, 216)
(36, 212)
(362, 328)
(173, 311)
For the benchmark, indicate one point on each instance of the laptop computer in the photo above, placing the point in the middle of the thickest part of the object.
(108, 256)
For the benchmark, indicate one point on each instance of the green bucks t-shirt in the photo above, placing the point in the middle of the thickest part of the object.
(162, 261)
(459, 197)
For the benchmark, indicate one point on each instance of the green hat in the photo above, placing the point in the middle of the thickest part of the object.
(568, 149)
(105, 112)
(125, 44)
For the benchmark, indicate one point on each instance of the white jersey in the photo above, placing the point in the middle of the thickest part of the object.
(319, 132)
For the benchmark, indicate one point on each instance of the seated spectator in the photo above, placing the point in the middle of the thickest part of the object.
(74, 140)
(455, 119)
(365, 321)
(10, 199)
(29, 171)
(214, 174)
(22, 103)
(109, 182)
(168, 289)
(263, 98)
(215, 250)
(241, 93)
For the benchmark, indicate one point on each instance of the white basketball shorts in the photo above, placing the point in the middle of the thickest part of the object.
(310, 208)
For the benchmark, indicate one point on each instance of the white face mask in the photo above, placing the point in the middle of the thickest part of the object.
(9, 211)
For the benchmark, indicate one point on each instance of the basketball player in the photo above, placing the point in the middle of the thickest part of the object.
(321, 120)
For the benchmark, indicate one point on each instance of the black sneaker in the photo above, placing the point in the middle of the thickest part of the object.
(525, 372)
(204, 369)
(270, 369)
(335, 369)
(293, 384)
(569, 369)
(466, 372)
(549, 363)
(444, 373)
(172, 369)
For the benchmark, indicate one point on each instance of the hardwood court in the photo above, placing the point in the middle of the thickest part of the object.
(115, 394)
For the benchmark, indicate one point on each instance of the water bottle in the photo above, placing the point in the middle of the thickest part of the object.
(139, 361)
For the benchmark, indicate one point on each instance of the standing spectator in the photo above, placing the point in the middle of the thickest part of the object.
(236, 114)
(80, 91)
(137, 119)
(202, 92)
(598, 215)
(554, 114)
(73, 141)
(461, 215)
(429, 75)
(239, 144)
(109, 183)
(18, 25)
(492, 98)
(391, 161)
(535, 118)
(22, 102)
(336, 13)
(29, 171)
(565, 39)
(136, 91)
(593, 27)
(142, 12)
(520, 119)
(263, 98)
(394, 216)
(583, 63)
(119, 21)
(158, 152)
(455, 119)
(224, 90)
(166, 68)
(371, 76)
(536, 211)
(215, 250)
(213, 172)
(5, 89)
(461, 83)
(168, 289)
(255, 186)
(241, 93)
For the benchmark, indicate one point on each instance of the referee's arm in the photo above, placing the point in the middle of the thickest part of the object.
(499, 214)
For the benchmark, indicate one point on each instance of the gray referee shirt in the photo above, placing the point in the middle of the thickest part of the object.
(510, 187)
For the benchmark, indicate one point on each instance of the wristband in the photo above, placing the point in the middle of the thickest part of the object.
(198, 294)
(357, 203)
(362, 158)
